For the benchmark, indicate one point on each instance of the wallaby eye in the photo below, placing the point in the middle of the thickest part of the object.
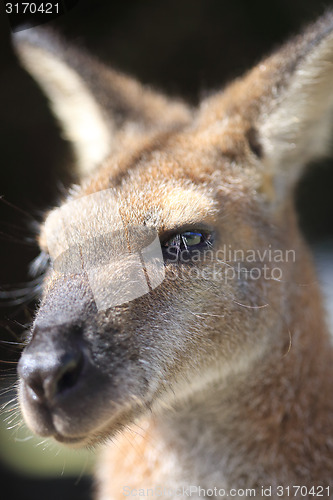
(40, 264)
(182, 246)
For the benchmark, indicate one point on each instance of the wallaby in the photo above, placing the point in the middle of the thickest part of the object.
(210, 374)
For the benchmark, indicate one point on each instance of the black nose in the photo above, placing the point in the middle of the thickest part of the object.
(52, 372)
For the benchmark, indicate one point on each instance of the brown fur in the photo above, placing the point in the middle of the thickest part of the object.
(202, 383)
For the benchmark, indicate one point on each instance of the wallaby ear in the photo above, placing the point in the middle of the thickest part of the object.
(283, 108)
(92, 102)
(295, 122)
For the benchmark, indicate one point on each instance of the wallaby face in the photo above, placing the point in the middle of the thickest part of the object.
(227, 335)
(130, 357)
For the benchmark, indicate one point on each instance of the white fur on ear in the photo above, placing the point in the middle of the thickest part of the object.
(94, 104)
(72, 102)
(297, 126)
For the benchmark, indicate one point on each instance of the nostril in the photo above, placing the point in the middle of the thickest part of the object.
(35, 382)
(49, 376)
(69, 373)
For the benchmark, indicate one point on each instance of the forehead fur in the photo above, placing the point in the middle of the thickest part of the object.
(217, 157)
(174, 184)
(188, 181)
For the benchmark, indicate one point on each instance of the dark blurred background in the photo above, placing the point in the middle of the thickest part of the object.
(181, 47)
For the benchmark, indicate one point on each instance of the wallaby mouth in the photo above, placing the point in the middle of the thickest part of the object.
(68, 389)
(53, 375)
(57, 380)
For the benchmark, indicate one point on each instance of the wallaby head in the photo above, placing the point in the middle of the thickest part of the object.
(221, 325)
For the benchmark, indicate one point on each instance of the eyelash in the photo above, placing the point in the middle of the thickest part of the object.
(177, 247)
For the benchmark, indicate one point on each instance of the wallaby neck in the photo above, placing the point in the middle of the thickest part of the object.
(257, 429)
(261, 428)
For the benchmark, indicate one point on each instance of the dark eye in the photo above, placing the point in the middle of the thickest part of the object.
(40, 264)
(183, 246)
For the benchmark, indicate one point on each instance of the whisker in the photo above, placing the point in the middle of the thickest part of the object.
(248, 306)
(11, 343)
(18, 241)
(82, 471)
(207, 314)
(23, 440)
(18, 209)
(4, 406)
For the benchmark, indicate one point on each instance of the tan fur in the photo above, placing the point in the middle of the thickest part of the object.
(232, 387)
